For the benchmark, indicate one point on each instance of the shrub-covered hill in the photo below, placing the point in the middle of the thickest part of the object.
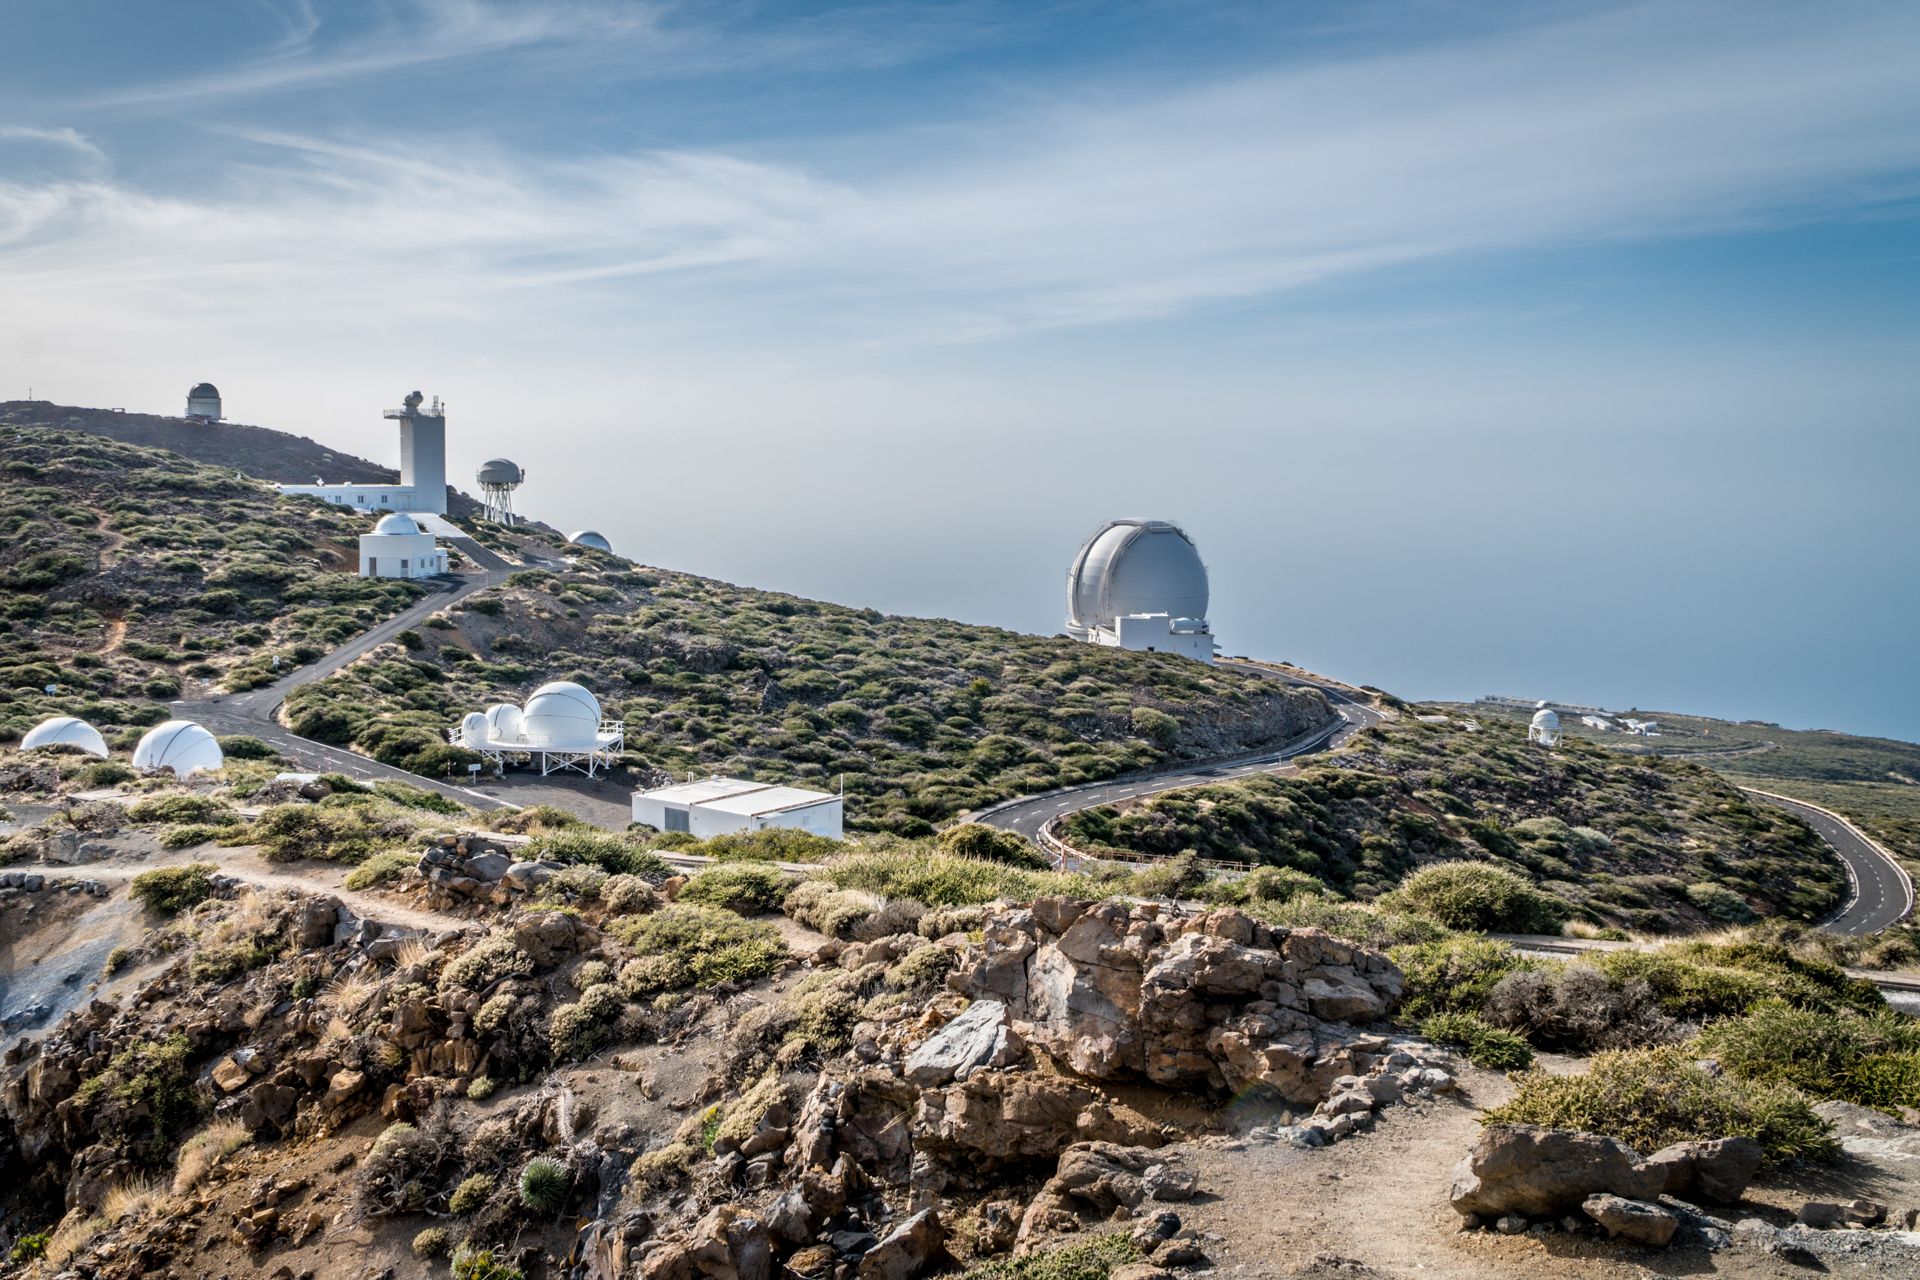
(921, 718)
(1649, 844)
(130, 575)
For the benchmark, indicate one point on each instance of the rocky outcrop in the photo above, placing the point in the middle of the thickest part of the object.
(1634, 1220)
(1718, 1171)
(473, 868)
(1535, 1172)
(1217, 1001)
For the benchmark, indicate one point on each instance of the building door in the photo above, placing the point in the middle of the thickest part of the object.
(373, 566)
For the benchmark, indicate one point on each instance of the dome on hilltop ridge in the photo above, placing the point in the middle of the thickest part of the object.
(1134, 567)
(590, 538)
(65, 731)
(204, 389)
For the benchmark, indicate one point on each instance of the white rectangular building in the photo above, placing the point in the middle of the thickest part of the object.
(717, 806)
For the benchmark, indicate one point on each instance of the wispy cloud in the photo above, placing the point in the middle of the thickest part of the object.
(1087, 203)
(66, 139)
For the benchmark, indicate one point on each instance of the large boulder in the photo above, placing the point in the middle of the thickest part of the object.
(977, 1038)
(906, 1251)
(1538, 1172)
(1023, 1117)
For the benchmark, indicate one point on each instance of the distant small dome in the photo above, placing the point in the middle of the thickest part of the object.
(179, 745)
(562, 715)
(499, 471)
(397, 522)
(203, 391)
(505, 723)
(590, 538)
(1545, 718)
(65, 731)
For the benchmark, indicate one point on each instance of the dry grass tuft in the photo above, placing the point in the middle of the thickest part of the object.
(205, 1149)
(132, 1199)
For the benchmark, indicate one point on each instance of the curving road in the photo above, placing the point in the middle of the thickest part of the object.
(1028, 814)
(1881, 891)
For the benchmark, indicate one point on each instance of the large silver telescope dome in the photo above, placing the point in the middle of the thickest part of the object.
(1135, 566)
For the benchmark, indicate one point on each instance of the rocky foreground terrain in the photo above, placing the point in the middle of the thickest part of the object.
(466, 1069)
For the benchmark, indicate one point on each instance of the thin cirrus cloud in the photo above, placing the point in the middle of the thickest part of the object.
(1079, 203)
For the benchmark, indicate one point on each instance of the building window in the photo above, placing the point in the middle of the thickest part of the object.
(383, 499)
(363, 498)
(403, 566)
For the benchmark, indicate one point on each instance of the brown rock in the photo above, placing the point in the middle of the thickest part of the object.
(1539, 1172)
(1634, 1220)
(907, 1250)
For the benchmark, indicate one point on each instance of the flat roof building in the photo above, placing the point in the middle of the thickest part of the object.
(718, 806)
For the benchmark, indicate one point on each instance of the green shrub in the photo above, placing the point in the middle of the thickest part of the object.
(834, 912)
(1649, 1098)
(1874, 1061)
(240, 746)
(1484, 1045)
(430, 1243)
(470, 1263)
(227, 961)
(169, 890)
(1094, 1258)
(684, 945)
(485, 963)
(480, 1088)
(1356, 922)
(30, 1245)
(769, 844)
(625, 895)
(747, 887)
(615, 855)
(928, 875)
(577, 1029)
(1454, 974)
(1720, 902)
(545, 1185)
(470, 1194)
(182, 808)
(978, 840)
(381, 868)
(189, 836)
(338, 829)
(1476, 896)
(146, 1086)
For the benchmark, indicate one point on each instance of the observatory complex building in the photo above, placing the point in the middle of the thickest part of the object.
(399, 548)
(423, 468)
(203, 402)
(1140, 584)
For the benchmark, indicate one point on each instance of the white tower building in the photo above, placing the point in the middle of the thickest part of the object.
(423, 468)
(1140, 584)
(1545, 727)
(203, 402)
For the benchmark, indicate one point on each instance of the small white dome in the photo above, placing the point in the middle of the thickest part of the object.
(505, 723)
(179, 745)
(397, 522)
(562, 715)
(590, 538)
(499, 471)
(473, 729)
(65, 731)
(1545, 718)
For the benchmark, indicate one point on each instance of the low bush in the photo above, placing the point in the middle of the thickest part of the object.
(431, 1242)
(545, 1185)
(769, 844)
(340, 829)
(1874, 1061)
(1648, 1098)
(1575, 1009)
(145, 1091)
(616, 855)
(978, 840)
(625, 895)
(746, 887)
(240, 746)
(928, 875)
(1476, 896)
(1094, 1258)
(204, 1150)
(1260, 885)
(169, 890)
(1483, 1044)
(470, 1194)
(685, 945)
(381, 868)
(485, 963)
(577, 1029)
(1454, 974)
(182, 808)
(470, 1263)
(834, 912)
(188, 837)
(1368, 925)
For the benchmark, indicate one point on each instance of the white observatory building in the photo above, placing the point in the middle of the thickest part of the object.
(1544, 727)
(423, 468)
(399, 548)
(180, 745)
(591, 538)
(498, 478)
(718, 806)
(203, 402)
(560, 728)
(1140, 584)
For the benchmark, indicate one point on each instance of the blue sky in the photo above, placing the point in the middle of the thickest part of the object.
(1560, 349)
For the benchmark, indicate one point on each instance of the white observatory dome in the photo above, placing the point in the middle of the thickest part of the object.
(179, 745)
(1546, 718)
(562, 715)
(65, 731)
(473, 729)
(1134, 566)
(589, 538)
(504, 723)
(397, 522)
(499, 471)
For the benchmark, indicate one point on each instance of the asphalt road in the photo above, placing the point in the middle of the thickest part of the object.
(1882, 894)
(1027, 815)
(253, 712)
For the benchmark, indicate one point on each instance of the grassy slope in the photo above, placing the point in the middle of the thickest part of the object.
(1873, 781)
(129, 576)
(923, 718)
(1621, 838)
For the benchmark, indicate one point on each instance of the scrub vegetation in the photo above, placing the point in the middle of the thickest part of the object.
(1582, 833)
(921, 719)
(130, 576)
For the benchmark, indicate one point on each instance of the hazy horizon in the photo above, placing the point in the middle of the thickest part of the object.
(1567, 353)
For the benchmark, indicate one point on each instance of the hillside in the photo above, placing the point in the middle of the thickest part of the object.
(1648, 844)
(130, 576)
(1873, 781)
(920, 719)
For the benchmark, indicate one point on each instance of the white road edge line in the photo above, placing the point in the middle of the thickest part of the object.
(1899, 872)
